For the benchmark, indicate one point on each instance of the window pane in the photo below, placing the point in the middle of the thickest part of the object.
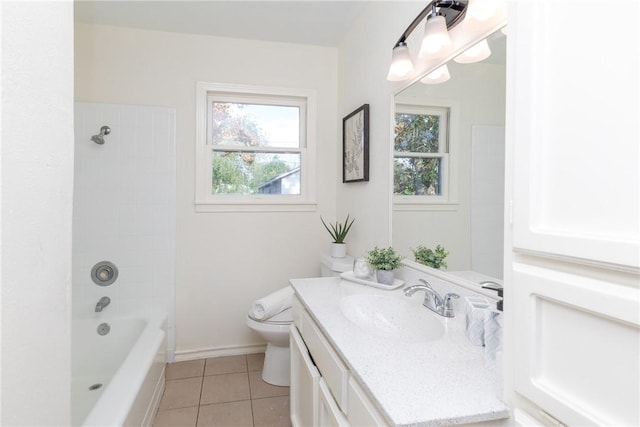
(417, 176)
(255, 173)
(417, 133)
(254, 125)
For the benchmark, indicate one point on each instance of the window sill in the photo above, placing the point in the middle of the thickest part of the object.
(400, 206)
(256, 207)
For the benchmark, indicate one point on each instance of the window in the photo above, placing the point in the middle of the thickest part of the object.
(255, 148)
(421, 159)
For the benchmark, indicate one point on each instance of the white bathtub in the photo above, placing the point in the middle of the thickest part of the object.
(129, 363)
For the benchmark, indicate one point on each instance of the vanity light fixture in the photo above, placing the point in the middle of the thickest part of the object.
(442, 16)
(475, 53)
(439, 75)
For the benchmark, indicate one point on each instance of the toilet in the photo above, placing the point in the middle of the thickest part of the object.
(275, 330)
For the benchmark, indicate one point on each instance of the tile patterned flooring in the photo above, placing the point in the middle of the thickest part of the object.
(222, 391)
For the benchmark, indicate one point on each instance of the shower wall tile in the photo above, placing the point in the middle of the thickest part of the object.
(124, 208)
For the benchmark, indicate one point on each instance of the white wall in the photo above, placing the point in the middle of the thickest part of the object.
(477, 93)
(124, 208)
(224, 260)
(37, 173)
(365, 55)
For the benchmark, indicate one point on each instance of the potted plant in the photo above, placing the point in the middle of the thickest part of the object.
(429, 257)
(384, 261)
(338, 233)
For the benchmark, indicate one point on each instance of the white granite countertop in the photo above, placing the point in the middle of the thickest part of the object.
(435, 383)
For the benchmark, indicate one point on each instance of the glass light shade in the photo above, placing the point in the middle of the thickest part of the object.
(401, 64)
(436, 39)
(439, 75)
(481, 10)
(475, 53)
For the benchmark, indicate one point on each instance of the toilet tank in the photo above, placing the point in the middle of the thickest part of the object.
(332, 267)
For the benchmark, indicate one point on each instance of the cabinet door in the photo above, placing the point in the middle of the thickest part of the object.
(304, 384)
(362, 411)
(330, 414)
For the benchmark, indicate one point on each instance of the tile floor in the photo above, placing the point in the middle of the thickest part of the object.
(222, 391)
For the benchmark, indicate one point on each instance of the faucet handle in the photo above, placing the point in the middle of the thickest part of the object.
(447, 304)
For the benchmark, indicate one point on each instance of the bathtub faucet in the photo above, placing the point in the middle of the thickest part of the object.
(104, 301)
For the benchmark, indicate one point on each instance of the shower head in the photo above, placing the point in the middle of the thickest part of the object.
(99, 138)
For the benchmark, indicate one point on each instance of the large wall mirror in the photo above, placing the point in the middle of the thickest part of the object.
(449, 166)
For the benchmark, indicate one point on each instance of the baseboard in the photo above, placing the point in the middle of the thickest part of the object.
(204, 353)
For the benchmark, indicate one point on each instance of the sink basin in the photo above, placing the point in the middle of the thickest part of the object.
(392, 317)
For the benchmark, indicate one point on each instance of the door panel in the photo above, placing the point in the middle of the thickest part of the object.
(576, 154)
(579, 346)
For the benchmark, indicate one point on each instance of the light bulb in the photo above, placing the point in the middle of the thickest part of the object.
(436, 39)
(481, 10)
(401, 64)
(439, 75)
(475, 53)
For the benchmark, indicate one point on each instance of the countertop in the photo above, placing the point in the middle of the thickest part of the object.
(436, 383)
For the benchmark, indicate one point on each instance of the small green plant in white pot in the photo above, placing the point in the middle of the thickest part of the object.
(384, 261)
(338, 232)
(429, 257)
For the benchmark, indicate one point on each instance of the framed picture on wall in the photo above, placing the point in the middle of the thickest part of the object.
(355, 145)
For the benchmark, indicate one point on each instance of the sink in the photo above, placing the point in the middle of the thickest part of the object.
(392, 317)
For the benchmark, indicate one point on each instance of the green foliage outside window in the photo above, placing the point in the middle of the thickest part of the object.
(416, 133)
(243, 172)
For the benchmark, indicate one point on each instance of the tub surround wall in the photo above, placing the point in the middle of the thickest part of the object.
(124, 208)
(225, 260)
(37, 185)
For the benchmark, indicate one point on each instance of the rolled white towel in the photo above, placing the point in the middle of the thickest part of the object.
(272, 304)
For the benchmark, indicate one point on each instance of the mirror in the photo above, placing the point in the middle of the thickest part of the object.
(452, 192)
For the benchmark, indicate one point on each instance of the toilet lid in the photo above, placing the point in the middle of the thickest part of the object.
(283, 318)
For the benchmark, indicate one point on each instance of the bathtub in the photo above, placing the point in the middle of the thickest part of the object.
(117, 378)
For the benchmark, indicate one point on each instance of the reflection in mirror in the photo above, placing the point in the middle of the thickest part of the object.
(449, 166)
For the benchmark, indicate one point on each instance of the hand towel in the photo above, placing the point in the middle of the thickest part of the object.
(474, 319)
(272, 304)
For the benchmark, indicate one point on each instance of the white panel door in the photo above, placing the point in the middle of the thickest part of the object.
(576, 130)
(572, 288)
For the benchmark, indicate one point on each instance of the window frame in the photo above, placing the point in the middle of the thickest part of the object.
(205, 201)
(448, 198)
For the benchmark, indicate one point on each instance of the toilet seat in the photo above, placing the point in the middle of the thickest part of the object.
(283, 318)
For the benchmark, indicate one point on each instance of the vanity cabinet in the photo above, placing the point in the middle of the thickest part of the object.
(323, 391)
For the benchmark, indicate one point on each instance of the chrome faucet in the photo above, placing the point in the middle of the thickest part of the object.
(104, 301)
(432, 300)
